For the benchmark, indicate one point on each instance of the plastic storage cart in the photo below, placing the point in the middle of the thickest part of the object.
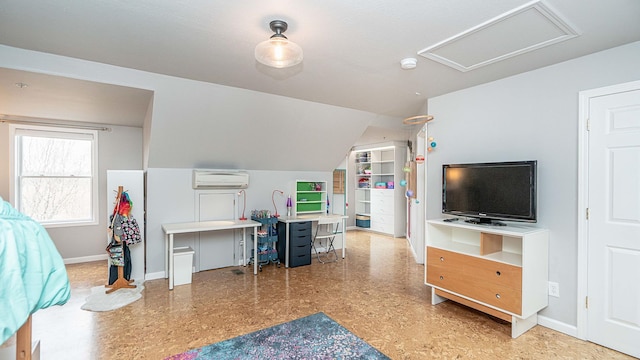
(267, 240)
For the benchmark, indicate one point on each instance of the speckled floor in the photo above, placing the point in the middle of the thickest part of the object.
(377, 292)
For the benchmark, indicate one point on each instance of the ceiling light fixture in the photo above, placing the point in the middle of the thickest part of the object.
(418, 119)
(408, 63)
(278, 52)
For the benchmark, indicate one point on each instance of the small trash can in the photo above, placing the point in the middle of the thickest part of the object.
(182, 265)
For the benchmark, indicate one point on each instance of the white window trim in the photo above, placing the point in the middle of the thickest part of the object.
(13, 194)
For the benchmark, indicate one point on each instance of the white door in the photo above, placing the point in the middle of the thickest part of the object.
(613, 284)
(215, 248)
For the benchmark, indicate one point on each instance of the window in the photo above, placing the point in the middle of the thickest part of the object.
(55, 174)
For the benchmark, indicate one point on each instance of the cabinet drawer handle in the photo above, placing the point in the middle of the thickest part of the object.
(498, 273)
(497, 296)
(441, 277)
(441, 258)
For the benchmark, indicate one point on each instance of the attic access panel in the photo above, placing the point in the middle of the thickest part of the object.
(524, 29)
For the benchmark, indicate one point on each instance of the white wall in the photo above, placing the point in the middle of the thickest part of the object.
(171, 199)
(530, 116)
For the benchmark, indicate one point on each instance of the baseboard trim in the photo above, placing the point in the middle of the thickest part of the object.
(154, 276)
(556, 325)
(84, 259)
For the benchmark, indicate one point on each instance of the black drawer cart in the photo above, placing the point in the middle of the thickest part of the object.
(299, 243)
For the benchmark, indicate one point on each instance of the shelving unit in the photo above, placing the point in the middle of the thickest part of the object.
(378, 194)
(499, 270)
(383, 164)
(363, 202)
(311, 197)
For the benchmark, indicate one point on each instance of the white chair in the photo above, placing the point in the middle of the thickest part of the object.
(326, 231)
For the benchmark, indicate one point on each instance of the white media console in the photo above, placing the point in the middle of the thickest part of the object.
(499, 270)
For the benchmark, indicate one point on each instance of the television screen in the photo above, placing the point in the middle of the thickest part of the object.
(490, 191)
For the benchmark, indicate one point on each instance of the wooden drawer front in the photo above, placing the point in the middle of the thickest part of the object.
(444, 258)
(446, 278)
(502, 297)
(478, 269)
(446, 269)
(476, 278)
(482, 270)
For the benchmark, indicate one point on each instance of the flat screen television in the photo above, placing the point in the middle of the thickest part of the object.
(486, 192)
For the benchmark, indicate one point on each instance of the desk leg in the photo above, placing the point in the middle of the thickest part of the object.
(255, 250)
(170, 261)
(166, 255)
(244, 246)
(344, 237)
(286, 247)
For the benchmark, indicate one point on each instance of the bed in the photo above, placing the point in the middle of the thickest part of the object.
(32, 274)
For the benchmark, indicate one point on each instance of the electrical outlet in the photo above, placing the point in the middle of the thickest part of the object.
(554, 289)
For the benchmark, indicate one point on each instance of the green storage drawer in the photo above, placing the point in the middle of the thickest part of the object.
(308, 196)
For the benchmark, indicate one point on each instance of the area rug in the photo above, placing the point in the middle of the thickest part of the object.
(100, 301)
(312, 337)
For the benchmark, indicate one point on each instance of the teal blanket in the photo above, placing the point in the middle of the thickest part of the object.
(32, 273)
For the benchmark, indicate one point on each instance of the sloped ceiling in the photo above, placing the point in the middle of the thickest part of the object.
(352, 50)
(37, 95)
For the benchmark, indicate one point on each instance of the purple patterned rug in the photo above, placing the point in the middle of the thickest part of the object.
(312, 337)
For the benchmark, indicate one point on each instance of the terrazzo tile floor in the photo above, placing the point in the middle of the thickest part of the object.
(377, 292)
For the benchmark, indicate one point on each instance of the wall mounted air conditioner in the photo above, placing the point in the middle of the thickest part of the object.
(220, 179)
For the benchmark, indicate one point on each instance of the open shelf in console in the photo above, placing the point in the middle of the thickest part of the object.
(503, 244)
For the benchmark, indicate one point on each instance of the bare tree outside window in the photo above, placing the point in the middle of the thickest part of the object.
(55, 182)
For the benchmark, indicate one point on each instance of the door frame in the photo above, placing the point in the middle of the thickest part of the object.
(583, 189)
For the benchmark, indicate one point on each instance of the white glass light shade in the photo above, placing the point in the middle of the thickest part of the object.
(278, 52)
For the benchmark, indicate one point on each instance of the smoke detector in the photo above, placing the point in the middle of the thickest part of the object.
(408, 63)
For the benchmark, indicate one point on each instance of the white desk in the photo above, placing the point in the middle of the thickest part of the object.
(192, 227)
(314, 218)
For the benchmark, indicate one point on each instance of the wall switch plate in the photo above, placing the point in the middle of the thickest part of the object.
(554, 289)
